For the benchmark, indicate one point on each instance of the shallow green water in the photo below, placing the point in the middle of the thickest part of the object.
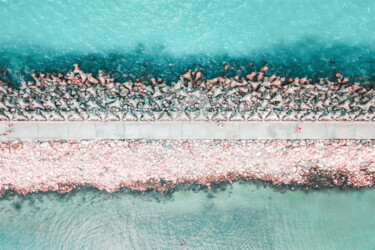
(241, 217)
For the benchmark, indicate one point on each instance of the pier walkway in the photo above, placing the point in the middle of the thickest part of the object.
(187, 130)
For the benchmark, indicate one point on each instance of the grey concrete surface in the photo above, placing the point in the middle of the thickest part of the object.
(205, 130)
(313, 131)
(109, 131)
(365, 130)
(58, 131)
(188, 130)
(2, 128)
(153, 130)
(268, 130)
(337, 132)
(81, 131)
(25, 131)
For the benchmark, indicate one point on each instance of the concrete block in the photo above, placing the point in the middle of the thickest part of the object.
(341, 130)
(23, 131)
(210, 130)
(281, 130)
(2, 128)
(253, 130)
(110, 130)
(53, 131)
(365, 130)
(82, 130)
(312, 130)
(190, 130)
(153, 130)
(268, 130)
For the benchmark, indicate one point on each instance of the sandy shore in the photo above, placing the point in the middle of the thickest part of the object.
(33, 166)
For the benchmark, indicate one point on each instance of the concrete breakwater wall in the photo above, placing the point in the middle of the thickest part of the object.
(59, 132)
(79, 105)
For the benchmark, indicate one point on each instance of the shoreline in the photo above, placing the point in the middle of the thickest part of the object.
(162, 165)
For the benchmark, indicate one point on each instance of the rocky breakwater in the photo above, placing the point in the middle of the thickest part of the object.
(161, 165)
(79, 96)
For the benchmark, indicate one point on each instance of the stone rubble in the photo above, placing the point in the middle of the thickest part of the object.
(160, 165)
(79, 96)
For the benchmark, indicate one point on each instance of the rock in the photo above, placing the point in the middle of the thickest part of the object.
(17, 147)
(363, 163)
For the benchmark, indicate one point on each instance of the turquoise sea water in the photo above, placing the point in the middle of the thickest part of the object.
(160, 38)
(297, 37)
(241, 217)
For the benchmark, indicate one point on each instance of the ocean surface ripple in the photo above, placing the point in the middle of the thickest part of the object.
(310, 38)
(242, 216)
(144, 39)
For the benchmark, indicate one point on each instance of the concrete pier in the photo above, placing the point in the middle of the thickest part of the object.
(187, 130)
